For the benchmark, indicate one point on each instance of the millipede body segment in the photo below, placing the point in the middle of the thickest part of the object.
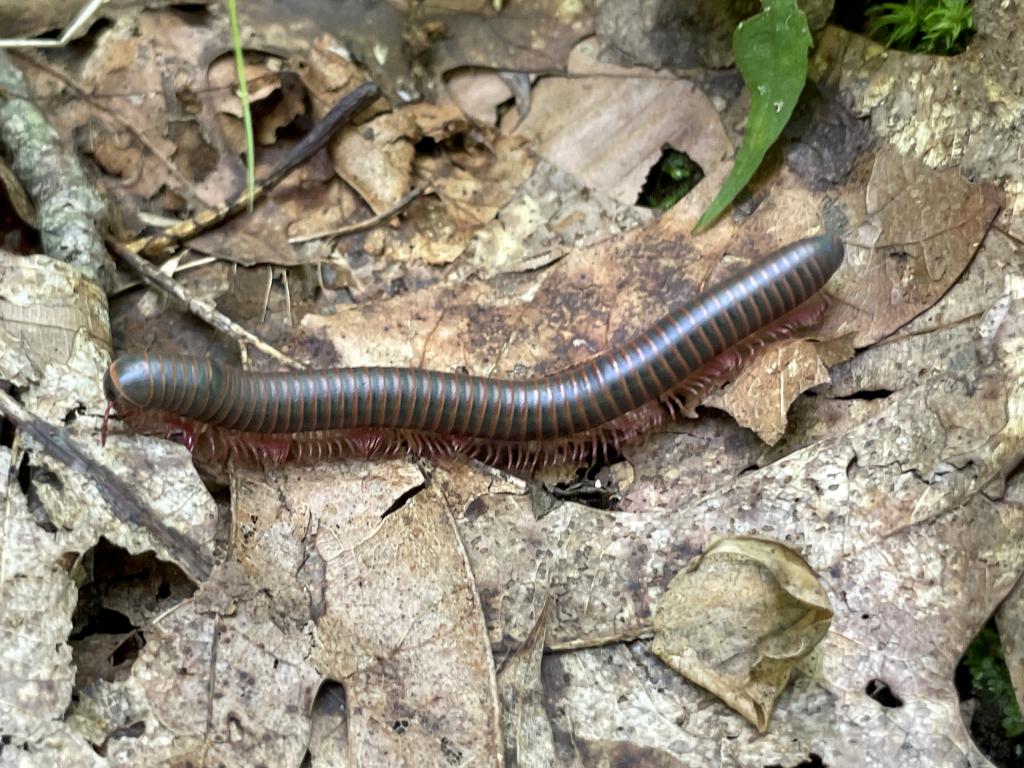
(227, 413)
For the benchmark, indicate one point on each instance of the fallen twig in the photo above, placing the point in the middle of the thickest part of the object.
(119, 496)
(200, 308)
(361, 226)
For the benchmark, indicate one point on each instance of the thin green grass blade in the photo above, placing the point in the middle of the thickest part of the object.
(243, 94)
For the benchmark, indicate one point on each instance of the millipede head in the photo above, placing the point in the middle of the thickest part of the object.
(129, 381)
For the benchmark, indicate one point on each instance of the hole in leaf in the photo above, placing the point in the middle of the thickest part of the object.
(867, 394)
(669, 180)
(6, 433)
(402, 500)
(328, 723)
(880, 691)
(594, 486)
(120, 594)
(813, 761)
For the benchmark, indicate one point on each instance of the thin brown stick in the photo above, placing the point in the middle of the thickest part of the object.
(362, 226)
(200, 308)
(340, 115)
(121, 498)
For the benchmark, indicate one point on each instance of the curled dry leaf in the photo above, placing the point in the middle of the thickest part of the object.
(478, 93)
(375, 160)
(739, 619)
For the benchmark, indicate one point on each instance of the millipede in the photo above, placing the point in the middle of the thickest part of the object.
(577, 415)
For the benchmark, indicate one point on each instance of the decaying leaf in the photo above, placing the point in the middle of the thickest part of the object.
(233, 649)
(38, 598)
(549, 213)
(394, 604)
(762, 393)
(739, 619)
(54, 329)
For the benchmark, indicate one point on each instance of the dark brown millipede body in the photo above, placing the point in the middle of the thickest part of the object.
(382, 411)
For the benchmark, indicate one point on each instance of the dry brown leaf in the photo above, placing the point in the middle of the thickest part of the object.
(378, 159)
(609, 128)
(686, 460)
(929, 346)
(171, 81)
(275, 99)
(478, 93)
(397, 618)
(528, 36)
(762, 393)
(375, 159)
(548, 215)
(243, 670)
(918, 232)
(131, 68)
(739, 619)
(471, 187)
(381, 173)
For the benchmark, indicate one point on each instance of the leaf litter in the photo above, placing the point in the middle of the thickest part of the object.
(478, 620)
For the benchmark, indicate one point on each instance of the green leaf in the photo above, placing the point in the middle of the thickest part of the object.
(771, 54)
